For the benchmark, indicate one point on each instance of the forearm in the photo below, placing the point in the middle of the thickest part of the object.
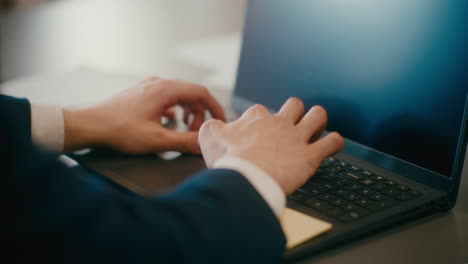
(214, 216)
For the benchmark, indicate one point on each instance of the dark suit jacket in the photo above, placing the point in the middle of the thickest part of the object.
(54, 214)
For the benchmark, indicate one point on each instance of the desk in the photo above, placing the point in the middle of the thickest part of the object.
(441, 238)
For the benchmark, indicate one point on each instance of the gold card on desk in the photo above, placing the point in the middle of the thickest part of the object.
(299, 227)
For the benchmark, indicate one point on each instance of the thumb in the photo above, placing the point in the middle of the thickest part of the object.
(186, 142)
(210, 141)
(209, 128)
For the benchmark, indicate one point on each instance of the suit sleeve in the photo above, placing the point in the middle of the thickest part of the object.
(18, 120)
(71, 216)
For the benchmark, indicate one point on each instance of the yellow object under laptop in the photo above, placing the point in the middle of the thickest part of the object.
(299, 227)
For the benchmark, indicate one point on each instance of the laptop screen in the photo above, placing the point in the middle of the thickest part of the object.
(391, 74)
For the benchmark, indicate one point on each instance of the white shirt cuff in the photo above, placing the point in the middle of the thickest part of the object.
(47, 127)
(266, 186)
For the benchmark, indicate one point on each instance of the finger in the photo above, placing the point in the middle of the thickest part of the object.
(325, 147)
(313, 123)
(198, 118)
(212, 105)
(255, 111)
(169, 114)
(186, 142)
(153, 78)
(209, 140)
(292, 110)
(188, 93)
(186, 114)
(317, 134)
(150, 79)
(210, 129)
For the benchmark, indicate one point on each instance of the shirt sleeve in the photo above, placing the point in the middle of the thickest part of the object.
(265, 185)
(47, 127)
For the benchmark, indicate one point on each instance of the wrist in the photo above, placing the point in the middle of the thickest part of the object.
(266, 185)
(83, 128)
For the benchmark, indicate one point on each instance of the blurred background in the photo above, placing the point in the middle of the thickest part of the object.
(61, 46)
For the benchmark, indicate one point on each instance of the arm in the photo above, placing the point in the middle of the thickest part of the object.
(130, 122)
(216, 216)
(60, 214)
(21, 121)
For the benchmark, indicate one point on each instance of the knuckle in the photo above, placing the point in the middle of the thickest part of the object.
(148, 89)
(200, 88)
(165, 83)
(258, 108)
(314, 163)
(209, 125)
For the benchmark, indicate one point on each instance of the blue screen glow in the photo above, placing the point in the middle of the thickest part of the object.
(391, 74)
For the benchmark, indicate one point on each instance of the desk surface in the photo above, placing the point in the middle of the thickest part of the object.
(439, 238)
(131, 46)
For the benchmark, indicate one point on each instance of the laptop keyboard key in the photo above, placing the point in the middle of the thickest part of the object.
(354, 187)
(317, 204)
(325, 164)
(337, 202)
(366, 173)
(376, 197)
(326, 197)
(379, 187)
(334, 212)
(342, 163)
(391, 192)
(328, 176)
(326, 186)
(363, 202)
(351, 197)
(365, 192)
(354, 215)
(379, 178)
(367, 182)
(336, 169)
(352, 176)
(353, 168)
(299, 196)
(403, 188)
(342, 182)
(381, 205)
(350, 207)
(391, 183)
(311, 189)
(340, 192)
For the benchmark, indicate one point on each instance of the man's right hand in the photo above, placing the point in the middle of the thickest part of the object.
(286, 145)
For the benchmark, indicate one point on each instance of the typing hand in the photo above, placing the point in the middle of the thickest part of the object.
(131, 121)
(286, 145)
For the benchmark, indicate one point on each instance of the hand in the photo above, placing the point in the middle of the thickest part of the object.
(131, 121)
(286, 145)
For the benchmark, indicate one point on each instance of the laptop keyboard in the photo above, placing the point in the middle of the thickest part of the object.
(347, 193)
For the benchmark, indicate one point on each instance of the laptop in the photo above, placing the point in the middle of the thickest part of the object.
(392, 77)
